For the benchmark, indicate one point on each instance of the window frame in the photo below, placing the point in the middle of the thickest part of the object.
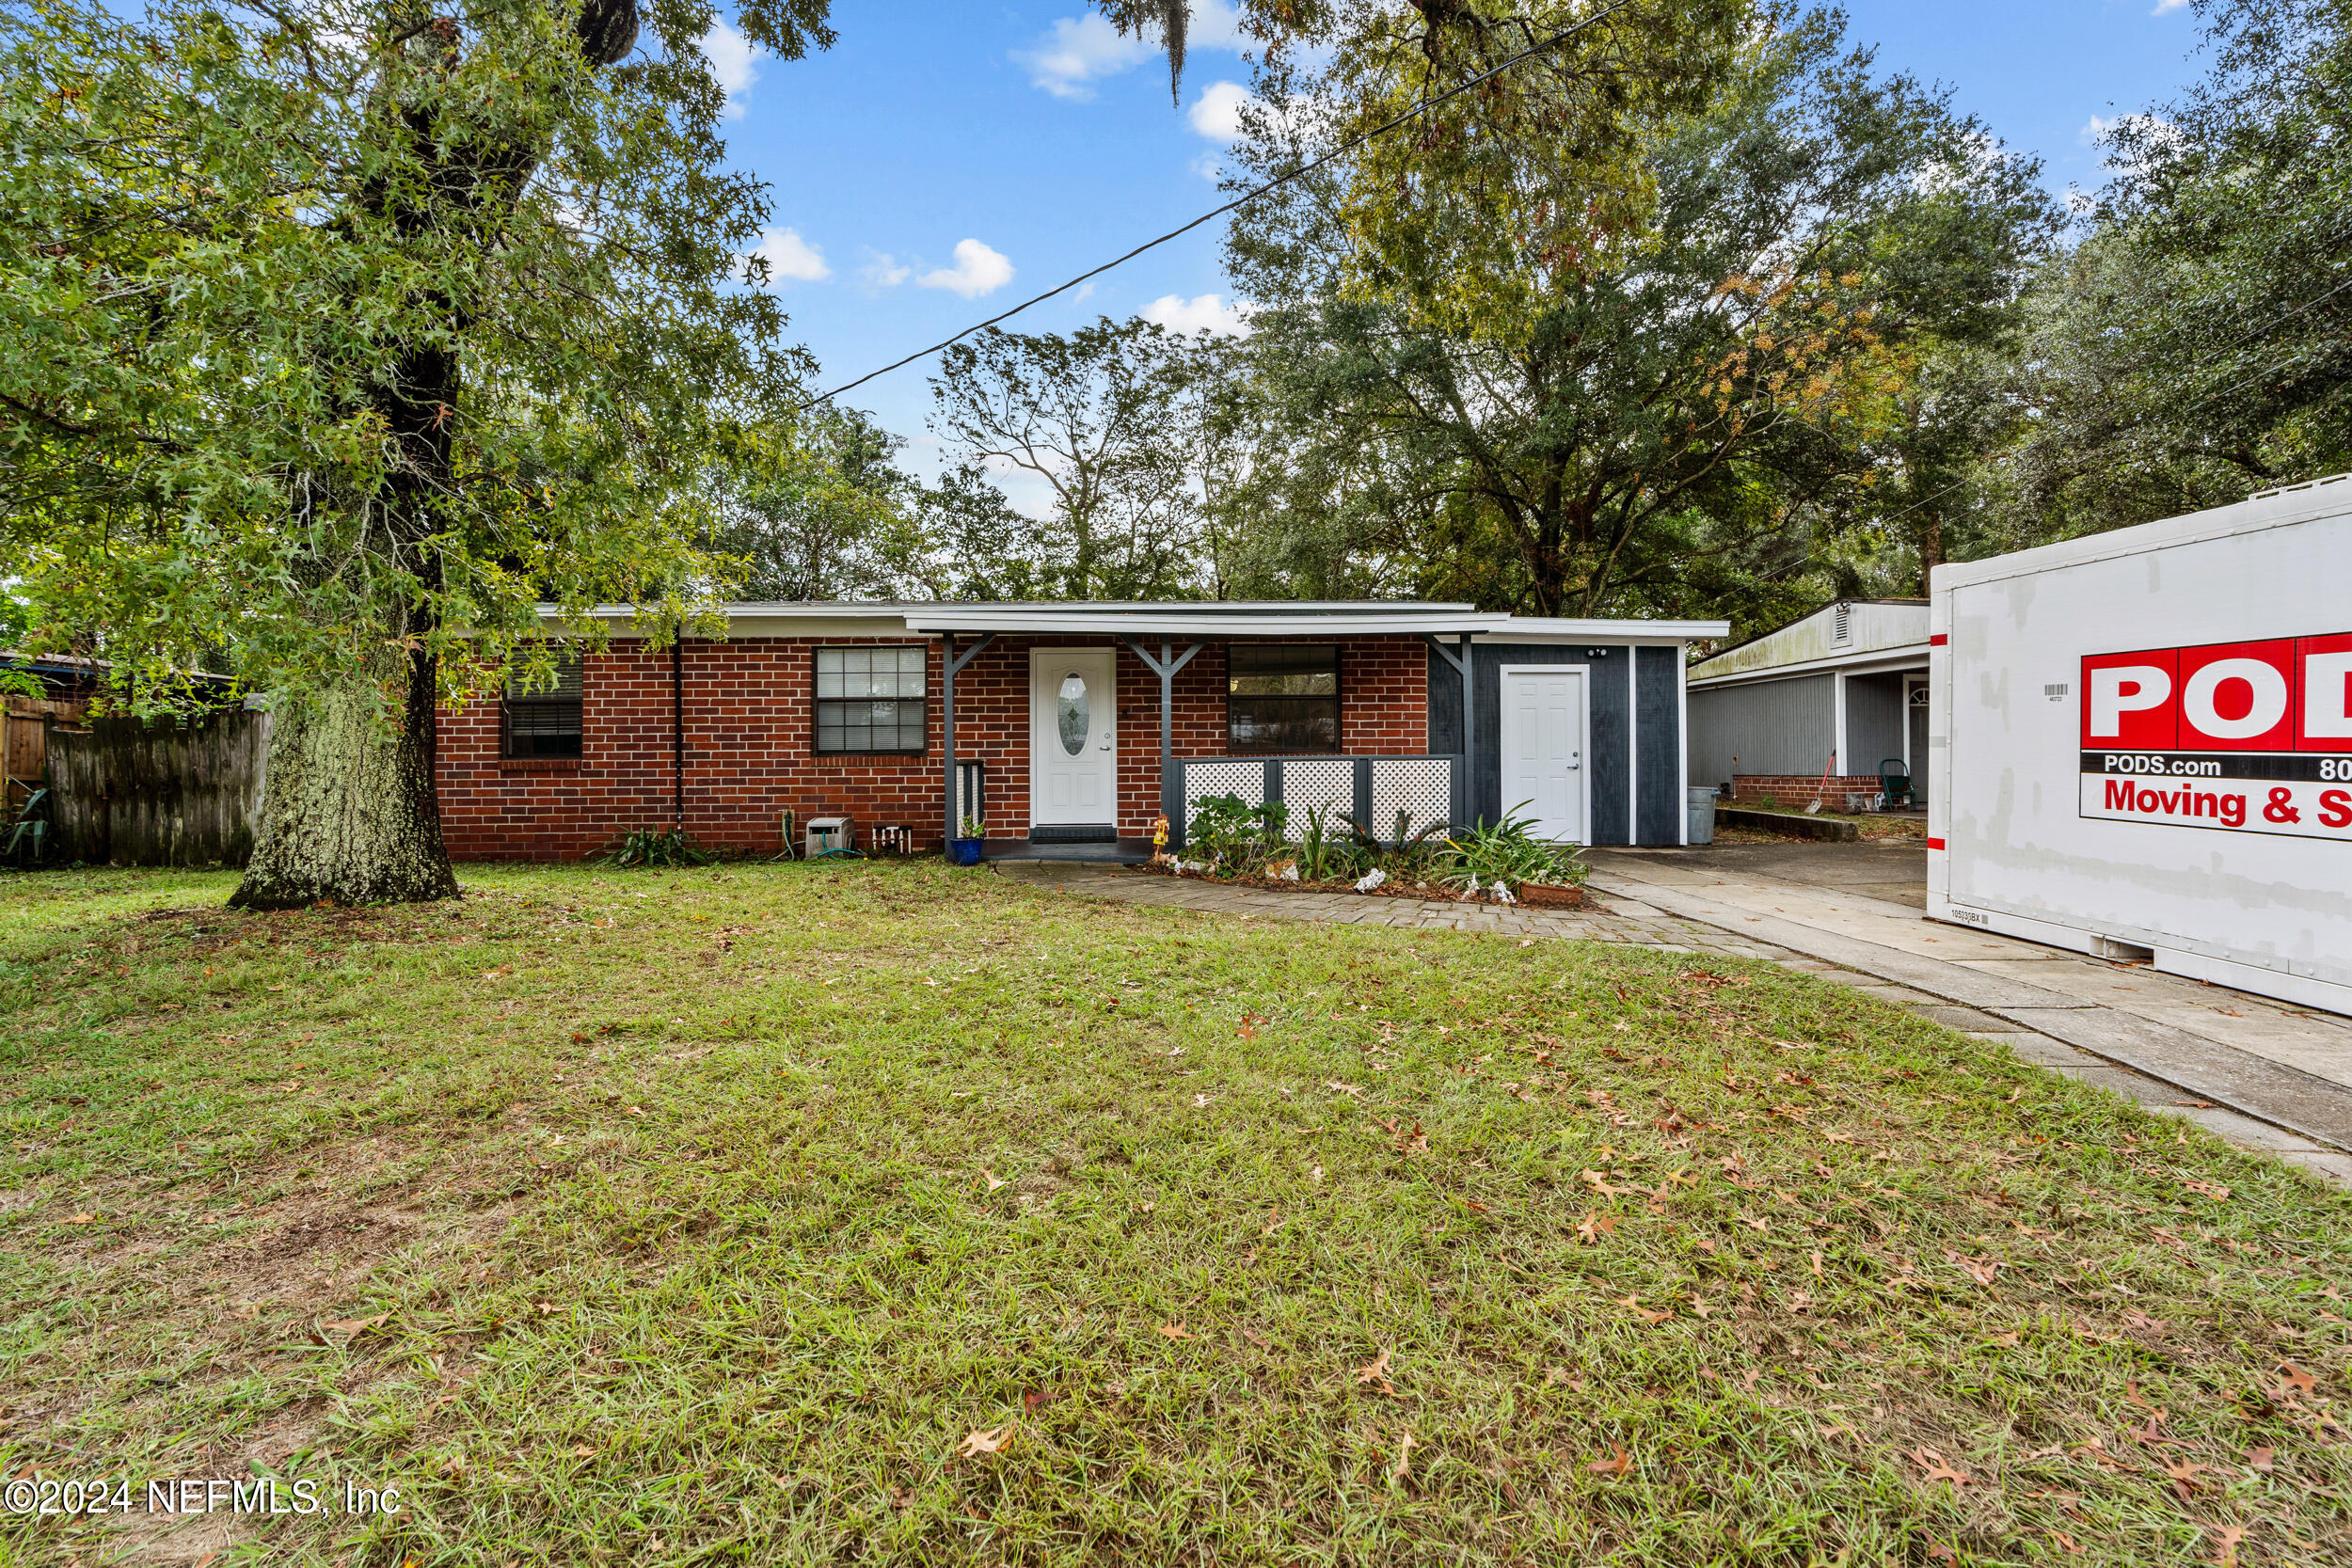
(816, 704)
(1338, 701)
(540, 700)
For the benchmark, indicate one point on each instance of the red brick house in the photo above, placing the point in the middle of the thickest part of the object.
(1076, 724)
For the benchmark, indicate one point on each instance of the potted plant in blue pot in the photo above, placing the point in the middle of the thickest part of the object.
(964, 848)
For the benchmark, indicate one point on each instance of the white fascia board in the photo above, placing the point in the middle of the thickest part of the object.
(757, 620)
(1868, 661)
(1534, 628)
(1319, 623)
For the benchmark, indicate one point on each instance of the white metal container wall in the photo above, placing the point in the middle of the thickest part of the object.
(2011, 848)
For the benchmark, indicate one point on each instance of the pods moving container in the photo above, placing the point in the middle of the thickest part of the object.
(2141, 744)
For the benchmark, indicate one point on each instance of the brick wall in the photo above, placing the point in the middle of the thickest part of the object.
(1800, 790)
(749, 716)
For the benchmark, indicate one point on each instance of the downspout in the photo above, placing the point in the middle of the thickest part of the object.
(677, 735)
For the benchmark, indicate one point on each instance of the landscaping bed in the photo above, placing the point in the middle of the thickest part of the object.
(878, 1212)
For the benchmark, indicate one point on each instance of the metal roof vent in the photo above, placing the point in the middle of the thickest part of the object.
(1841, 624)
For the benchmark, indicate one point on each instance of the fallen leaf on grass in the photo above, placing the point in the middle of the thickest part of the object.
(2226, 1539)
(1335, 1085)
(2261, 1459)
(351, 1328)
(1935, 1470)
(2185, 1477)
(1201, 1102)
(1647, 1316)
(991, 1178)
(83, 1219)
(1317, 1175)
(1376, 1373)
(1938, 1552)
(1979, 1270)
(1175, 1331)
(2066, 1542)
(1594, 1227)
(1618, 1466)
(986, 1441)
(1556, 1376)
(2291, 1379)
(2214, 1190)
(1404, 1447)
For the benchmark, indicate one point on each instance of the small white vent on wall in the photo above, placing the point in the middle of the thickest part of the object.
(1841, 626)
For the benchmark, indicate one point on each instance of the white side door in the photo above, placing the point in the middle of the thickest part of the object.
(1544, 722)
(1074, 737)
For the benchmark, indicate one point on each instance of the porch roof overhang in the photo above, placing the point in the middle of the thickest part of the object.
(1206, 621)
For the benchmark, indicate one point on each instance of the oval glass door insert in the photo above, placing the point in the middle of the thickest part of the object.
(1072, 713)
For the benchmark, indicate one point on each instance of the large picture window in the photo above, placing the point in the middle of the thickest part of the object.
(540, 722)
(871, 699)
(1281, 699)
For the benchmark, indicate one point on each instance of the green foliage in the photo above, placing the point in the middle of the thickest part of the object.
(328, 331)
(654, 849)
(819, 510)
(1235, 836)
(1505, 853)
(1327, 850)
(1626, 332)
(29, 837)
(1094, 416)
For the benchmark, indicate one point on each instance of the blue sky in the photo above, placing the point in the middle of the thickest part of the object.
(943, 161)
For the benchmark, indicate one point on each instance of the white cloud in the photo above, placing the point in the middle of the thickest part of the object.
(1202, 314)
(1079, 52)
(2099, 126)
(787, 255)
(734, 60)
(884, 269)
(978, 271)
(1082, 50)
(1217, 113)
(2163, 6)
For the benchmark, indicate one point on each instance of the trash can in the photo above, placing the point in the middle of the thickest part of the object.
(1702, 812)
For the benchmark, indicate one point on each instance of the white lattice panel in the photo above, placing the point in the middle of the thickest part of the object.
(1325, 781)
(1421, 787)
(1244, 779)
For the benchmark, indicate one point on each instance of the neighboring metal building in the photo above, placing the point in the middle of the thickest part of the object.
(1843, 690)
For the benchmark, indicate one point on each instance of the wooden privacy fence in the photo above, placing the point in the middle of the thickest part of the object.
(137, 794)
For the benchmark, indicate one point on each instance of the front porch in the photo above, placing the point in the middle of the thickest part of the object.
(1133, 713)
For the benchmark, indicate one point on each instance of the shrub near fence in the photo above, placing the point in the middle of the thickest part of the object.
(138, 794)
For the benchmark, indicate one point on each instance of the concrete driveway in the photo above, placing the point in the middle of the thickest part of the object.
(2257, 1072)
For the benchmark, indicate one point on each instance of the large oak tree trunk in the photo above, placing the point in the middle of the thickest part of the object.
(349, 813)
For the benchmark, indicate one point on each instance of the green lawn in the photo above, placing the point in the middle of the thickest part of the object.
(884, 1214)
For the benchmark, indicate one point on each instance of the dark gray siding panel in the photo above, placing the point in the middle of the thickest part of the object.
(1605, 755)
(1874, 721)
(1785, 727)
(1658, 743)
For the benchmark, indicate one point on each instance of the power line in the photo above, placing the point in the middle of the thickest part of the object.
(1279, 180)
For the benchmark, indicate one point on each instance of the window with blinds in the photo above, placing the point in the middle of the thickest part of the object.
(538, 720)
(872, 699)
(1281, 699)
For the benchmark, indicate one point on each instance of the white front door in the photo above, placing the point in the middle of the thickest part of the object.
(1074, 737)
(1543, 720)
